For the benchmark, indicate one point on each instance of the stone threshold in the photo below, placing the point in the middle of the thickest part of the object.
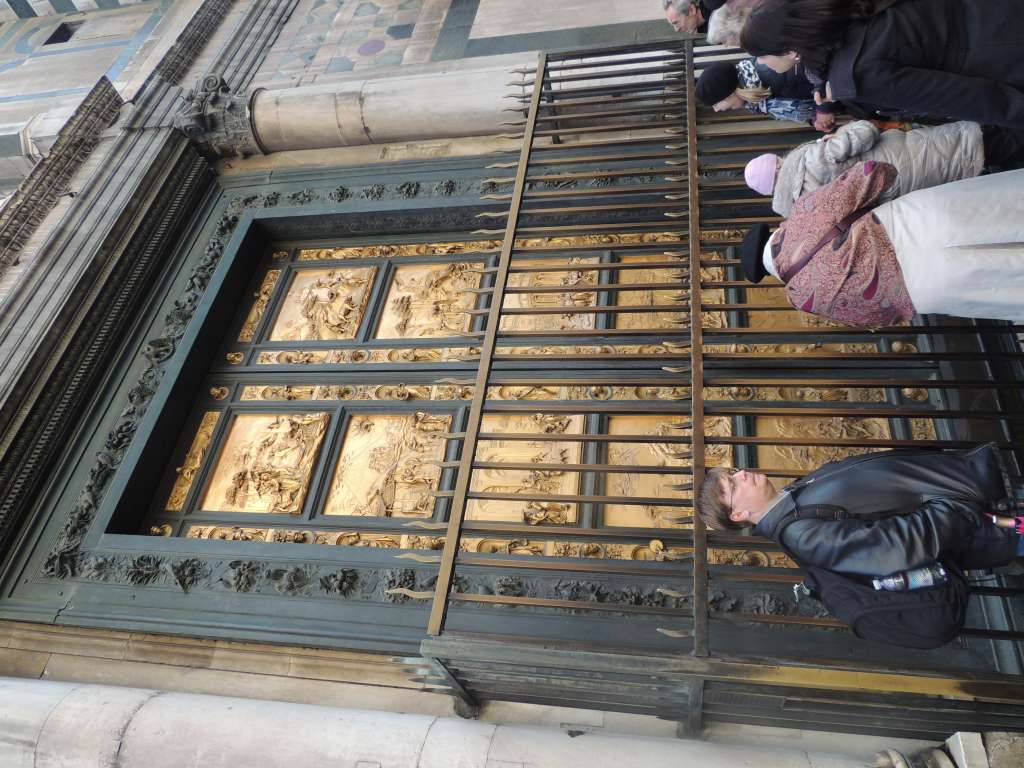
(217, 667)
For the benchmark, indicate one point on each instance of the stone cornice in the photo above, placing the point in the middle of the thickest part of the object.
(49, 178)
(179, 58)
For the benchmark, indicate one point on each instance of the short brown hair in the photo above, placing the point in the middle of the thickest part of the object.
(711, 504)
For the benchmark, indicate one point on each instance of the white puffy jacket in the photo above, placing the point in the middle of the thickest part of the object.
(924, 157)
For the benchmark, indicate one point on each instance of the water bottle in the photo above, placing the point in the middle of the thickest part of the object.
(929, 576)
(1008, 505)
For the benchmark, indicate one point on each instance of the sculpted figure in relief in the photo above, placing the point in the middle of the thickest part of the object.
(385, 467)
(329, 308)
(323, 305)
(429, 300)
(270, 473)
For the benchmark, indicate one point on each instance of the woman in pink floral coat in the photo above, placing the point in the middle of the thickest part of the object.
(955, 249)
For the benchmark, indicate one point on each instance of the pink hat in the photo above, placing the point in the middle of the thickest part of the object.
(760, 173)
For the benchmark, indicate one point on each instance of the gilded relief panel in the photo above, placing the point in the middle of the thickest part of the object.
(265, 463)
(259, 306)
(186, 473)
(397, 250)
(364, 355)
(788, 317)
(807, 457)
(569, 299)
(801, 458)
(537, 481)
(430, 300)
(323, 304)
(388, 465)
(578, 349)
(650, 551)
(651, 297)
(290, 392)
(634, 485)
(596, 392)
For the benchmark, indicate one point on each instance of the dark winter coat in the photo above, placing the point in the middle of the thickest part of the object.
(791, 85)
(935, 498)
(946, 59)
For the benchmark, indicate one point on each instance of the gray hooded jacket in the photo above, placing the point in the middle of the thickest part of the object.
(924, 157)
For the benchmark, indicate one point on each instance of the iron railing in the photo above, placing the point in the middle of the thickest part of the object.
(620, 171)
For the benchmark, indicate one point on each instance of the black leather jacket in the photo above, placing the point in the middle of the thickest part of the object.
(942, 59)
(935, 498)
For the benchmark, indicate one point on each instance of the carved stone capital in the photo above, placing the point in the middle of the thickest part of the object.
(218, 121)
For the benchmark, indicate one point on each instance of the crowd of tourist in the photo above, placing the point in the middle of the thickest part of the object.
(917, 204)
(912, 202)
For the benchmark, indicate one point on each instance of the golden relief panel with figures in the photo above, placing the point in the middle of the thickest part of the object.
(646, 485)
(535, 481)
(442, 354)
(569, 299)
(429, 300)
(186, 473)
(648, 298)
(803, 458)
(357, 392)
(323, 304)
(265, 463)
(396, 250)
(389, 465)
(399, 250)
(259, 306)
(597, 392)
(650, 551)
(364, 355)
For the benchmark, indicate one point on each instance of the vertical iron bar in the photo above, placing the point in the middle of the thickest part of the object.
(458, 508)
(700, 539)
(693, 726)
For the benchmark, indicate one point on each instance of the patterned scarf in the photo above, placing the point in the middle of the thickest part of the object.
(748, 78)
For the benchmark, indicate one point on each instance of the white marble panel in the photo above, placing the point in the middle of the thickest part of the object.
(501, 17)
(110, 26)
(51, 73)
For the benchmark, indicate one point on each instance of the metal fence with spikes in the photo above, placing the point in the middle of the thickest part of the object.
(623, 180)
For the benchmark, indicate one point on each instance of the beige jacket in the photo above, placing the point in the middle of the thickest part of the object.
(924, 157)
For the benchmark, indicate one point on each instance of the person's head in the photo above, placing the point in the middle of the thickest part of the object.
(726, 23)
(752, 252)
(781, 63)
(716, 86)
(761, 172)
(733, 499)
(781, 32)
(683, 15)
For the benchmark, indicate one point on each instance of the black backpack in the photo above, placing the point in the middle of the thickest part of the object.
(920, 618)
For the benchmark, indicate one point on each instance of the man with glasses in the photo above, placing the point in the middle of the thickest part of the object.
(876, 514)
(690, 16)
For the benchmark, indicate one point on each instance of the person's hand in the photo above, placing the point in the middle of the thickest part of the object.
(825, 122)
(819, 99)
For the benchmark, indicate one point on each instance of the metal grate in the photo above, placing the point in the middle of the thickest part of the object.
(615, 148)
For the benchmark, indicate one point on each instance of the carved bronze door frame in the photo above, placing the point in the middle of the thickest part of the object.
(510, 424)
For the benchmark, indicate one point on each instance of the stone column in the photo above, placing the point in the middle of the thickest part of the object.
(428, 105)
(439, 102)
